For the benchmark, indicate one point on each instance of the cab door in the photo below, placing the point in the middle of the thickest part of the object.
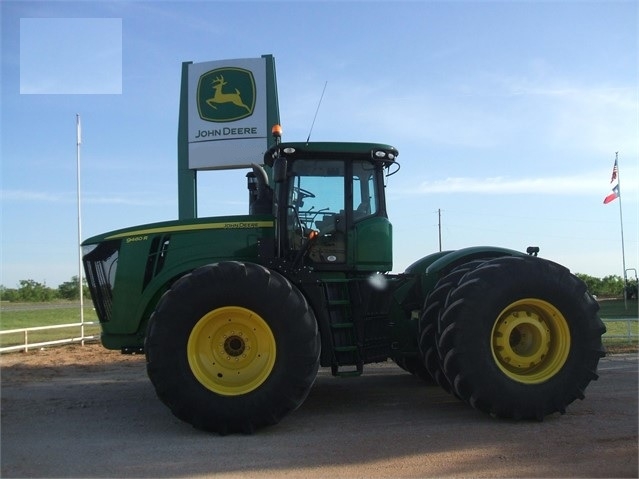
(370, 238)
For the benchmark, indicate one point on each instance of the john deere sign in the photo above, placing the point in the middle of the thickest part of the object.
(227, 109)
(227, 113)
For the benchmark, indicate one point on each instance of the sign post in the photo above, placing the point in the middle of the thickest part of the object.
(227, 109)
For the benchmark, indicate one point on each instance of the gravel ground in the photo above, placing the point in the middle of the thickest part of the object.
(83, 411)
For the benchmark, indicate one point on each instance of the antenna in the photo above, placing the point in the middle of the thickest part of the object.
(318, 107)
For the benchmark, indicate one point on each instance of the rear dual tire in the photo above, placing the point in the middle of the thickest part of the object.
(429, 322)
(517, 337)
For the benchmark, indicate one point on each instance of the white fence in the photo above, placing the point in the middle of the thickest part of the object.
(25, 346)
(629, 335)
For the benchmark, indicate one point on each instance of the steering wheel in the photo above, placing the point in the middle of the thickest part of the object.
(302, 193)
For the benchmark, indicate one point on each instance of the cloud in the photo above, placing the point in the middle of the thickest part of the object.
(499, 185)
(147, 200)
(487, 111)
(139, 199)
(24, 195)
(563, 112)
(70, 55)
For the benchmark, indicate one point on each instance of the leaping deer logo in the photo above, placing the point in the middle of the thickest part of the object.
(226, 94)
(220, 97)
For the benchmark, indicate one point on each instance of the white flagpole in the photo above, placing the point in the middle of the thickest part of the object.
(623, 248)
(80, 275)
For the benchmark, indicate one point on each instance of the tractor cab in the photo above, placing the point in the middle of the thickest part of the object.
(329, 204)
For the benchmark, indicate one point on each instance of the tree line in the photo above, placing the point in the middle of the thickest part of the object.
(32, 291)
(611, 286)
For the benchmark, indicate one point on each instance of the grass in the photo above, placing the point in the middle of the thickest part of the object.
(620, 335)
(617, 308)
(28, 315)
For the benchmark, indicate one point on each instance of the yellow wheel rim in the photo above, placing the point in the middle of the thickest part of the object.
(530, 341)
(231, 350)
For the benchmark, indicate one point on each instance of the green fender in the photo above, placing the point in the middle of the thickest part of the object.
(432, 267)
(413, 287)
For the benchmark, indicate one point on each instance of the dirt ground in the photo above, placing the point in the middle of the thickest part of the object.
(83, 411)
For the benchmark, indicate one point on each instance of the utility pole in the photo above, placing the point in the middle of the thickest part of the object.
(439, 227)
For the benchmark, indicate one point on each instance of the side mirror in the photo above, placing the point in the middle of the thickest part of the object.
(279, 170)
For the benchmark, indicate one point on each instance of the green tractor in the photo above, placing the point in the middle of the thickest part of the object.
(236, 314)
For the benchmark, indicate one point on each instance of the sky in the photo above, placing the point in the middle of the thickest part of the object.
(507, 117)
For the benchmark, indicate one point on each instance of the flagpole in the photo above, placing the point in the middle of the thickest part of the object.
(623, 248)
(80, 276)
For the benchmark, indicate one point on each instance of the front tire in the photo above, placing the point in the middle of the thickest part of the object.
(232, 347)
(520, 338)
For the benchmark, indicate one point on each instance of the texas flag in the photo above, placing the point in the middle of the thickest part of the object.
(614, 194)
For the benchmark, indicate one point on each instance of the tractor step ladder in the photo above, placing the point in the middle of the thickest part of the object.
(346, 347)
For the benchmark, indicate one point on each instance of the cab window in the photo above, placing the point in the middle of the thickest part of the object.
(316, 195)
(364, 192)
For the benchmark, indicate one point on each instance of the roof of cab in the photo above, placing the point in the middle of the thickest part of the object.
(331, 150)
